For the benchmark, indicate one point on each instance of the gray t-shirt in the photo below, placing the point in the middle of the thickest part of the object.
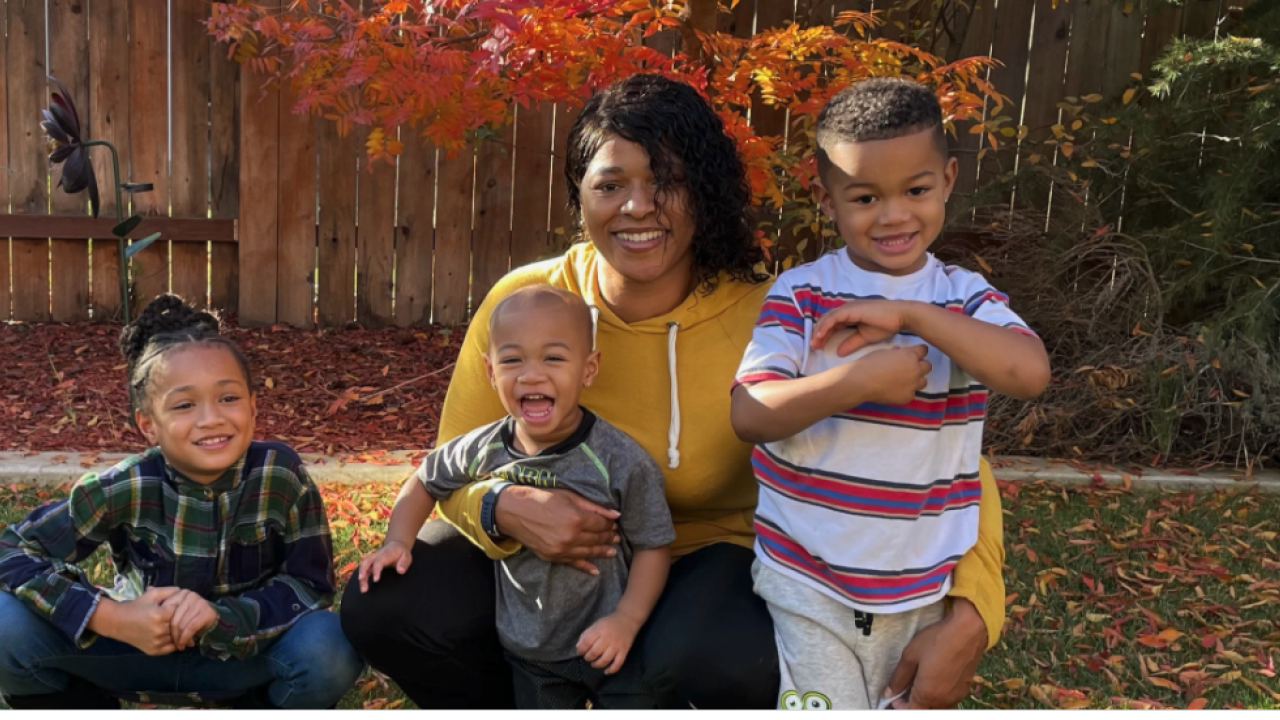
(543, 607)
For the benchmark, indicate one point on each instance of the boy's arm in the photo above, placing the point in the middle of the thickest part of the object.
(411, 509)
(1006, 360)
(773, 410)
(647, 577)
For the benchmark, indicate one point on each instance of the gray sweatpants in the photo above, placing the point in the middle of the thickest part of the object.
(829, 655)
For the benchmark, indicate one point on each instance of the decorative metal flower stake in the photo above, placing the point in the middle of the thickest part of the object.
(67, 148)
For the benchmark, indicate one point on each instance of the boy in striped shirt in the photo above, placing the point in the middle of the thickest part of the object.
(865, 388)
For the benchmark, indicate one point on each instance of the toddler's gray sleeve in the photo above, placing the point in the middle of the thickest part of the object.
(446, 468)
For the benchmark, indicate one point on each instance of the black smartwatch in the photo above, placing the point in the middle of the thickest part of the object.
(488, 510)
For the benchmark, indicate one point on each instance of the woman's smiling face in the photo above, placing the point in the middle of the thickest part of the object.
(643, 231)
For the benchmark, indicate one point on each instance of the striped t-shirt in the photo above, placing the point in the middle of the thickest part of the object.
(874, 505)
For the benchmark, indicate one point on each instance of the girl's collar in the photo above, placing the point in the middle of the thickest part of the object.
(228, 480)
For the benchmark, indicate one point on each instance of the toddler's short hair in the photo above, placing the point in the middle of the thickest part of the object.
(551, 298)
(878, 109)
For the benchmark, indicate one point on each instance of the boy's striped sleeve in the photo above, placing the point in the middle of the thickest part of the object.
(776, 350)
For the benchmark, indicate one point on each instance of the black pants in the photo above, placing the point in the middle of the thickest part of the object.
(708, 644)
(571, 684)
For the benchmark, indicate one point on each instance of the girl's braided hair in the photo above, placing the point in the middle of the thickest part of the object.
(687, 145)
(165, 324)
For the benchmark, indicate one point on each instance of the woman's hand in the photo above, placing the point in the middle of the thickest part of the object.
(939, 662)
(558, 525)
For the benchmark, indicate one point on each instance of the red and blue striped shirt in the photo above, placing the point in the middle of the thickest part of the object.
(875, 504)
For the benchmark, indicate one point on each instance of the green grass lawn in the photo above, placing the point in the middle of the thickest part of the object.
(1115, 599)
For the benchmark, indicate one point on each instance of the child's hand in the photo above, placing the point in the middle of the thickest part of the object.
(391, 553)
(606, 643)
(192, 615)
(142, 622)
(876, 321)
(893, 375)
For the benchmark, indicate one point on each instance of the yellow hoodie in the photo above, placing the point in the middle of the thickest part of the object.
(691, 355)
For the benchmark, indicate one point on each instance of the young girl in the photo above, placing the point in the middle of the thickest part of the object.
(220, 543)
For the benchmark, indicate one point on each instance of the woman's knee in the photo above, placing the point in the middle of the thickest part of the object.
(422, 608)
(710, 642)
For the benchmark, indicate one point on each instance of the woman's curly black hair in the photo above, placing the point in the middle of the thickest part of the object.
(677, 129)
(166, 323)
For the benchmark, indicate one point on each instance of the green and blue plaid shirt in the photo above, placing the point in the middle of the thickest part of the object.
(255, 543)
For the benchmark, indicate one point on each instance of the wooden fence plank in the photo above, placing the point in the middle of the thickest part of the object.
(6, 297)
(454, 182)
(977, 41)
(531, 195)
(336, 302)
(491, 222)
(1050, 39)
(148, 139)
(1012, 31)
(1046, 82)
(767, 120)
(108, 120)
(1163, 24)
(1088, 47)
(1200, 18)
(415, 236)
(224, 175)
(28, 166)
(1124, 47)
(295, 289)
(189, 165)
(79, 227)
(560, 224)
(69, 62)
(740, 19)
(259, 178)
(375, 242)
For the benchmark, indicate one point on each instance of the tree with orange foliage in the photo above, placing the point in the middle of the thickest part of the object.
(453, 70)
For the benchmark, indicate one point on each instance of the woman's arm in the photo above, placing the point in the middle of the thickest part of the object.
(978, 577)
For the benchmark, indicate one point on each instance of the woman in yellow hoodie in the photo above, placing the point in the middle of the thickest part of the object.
(661, 198)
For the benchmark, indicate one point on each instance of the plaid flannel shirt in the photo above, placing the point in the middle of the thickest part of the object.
(255, 543)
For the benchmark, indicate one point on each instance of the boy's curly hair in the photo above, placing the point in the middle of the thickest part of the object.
(878, 109)
(687, 145)
(166, 323)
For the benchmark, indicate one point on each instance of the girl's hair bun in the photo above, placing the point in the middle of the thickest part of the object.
(163, 315)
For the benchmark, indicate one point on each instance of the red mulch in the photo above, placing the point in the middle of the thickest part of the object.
(62, 388)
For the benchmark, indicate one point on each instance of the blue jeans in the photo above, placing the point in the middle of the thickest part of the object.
(311, 666)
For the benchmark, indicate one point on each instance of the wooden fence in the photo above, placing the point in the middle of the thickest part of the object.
(271, 215)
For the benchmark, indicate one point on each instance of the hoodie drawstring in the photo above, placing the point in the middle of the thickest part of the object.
(595, 325)
(673, 432)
